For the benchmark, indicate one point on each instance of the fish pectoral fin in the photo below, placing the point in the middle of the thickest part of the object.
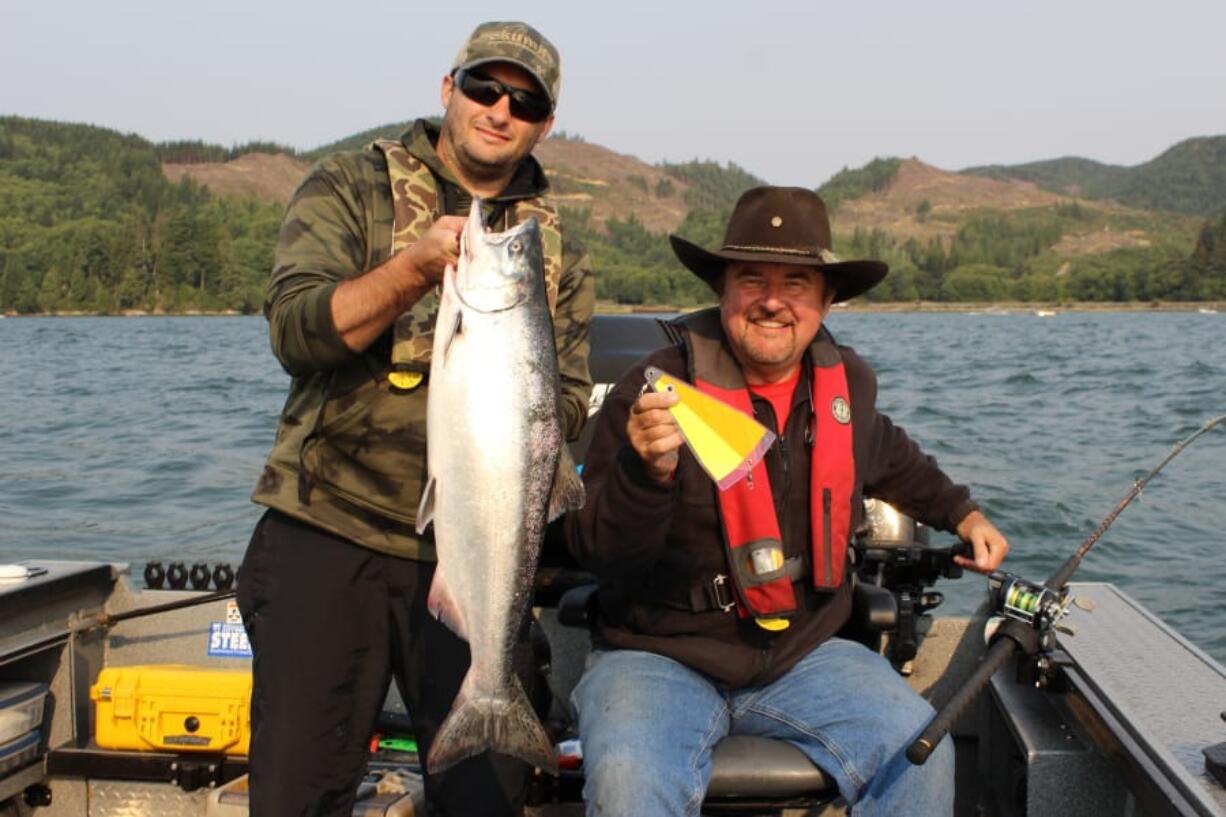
(442, 604)
(425, 509)
(567, 493)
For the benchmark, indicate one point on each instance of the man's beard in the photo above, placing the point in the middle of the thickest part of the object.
(482, 169)
(764, 351)
(776, 356)
(475, 167)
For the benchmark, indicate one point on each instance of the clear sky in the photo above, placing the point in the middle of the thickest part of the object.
(792, 91)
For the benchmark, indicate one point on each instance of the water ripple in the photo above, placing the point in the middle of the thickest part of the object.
(154, 455)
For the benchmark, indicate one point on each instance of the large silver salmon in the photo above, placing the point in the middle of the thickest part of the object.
(499, 470)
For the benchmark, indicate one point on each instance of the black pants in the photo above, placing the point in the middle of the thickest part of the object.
(330, 623)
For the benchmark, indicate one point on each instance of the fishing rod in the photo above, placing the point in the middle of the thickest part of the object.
(178, 576)
(108, 620)
(1030, 614)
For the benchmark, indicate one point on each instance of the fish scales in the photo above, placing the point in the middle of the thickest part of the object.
(497, 465)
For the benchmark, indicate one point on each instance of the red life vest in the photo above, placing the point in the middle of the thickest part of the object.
(747, 509)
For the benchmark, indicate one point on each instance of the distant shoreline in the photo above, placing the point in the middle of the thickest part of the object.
(1016, 307)
(605, 308)
(989, 307)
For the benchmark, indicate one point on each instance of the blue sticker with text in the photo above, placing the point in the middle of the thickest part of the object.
(228, 640)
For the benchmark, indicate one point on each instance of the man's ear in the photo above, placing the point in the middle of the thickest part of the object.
(447, 90)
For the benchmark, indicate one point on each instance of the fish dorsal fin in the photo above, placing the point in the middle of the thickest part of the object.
(425, 509)
(567, 493)
(727, 442)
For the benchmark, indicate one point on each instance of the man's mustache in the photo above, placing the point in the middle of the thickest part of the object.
(767, 314)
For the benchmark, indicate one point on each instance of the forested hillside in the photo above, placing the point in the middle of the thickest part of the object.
(635, 265)
(1188, 178)
(953, 237)
(96, 221)
(88, 222)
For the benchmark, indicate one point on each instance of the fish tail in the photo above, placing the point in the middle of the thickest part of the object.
(505, 724)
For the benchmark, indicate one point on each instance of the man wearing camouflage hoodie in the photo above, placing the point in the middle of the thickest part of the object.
(334, 583)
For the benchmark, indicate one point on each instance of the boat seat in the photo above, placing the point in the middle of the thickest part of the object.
(747, 766)
(750, 768)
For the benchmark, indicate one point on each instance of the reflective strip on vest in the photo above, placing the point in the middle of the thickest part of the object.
(747, 509)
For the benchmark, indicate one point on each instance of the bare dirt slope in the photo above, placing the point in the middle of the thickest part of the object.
(586, 176)
(950, 197)
(267, 176)
(583, 176)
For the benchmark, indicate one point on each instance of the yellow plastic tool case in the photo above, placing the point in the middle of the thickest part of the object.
(173, 708)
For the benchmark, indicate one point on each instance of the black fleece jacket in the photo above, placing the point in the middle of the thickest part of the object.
(651, 545)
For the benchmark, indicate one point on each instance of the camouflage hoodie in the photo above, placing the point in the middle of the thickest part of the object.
(350, 453)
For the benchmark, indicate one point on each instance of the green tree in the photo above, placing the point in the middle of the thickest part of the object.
(850, 184)
(1206, 268)
(53, 291)
(975, 282)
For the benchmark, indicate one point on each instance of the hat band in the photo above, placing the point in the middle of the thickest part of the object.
(822, 254)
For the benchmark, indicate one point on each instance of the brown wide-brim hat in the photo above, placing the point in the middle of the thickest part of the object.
(780, 225)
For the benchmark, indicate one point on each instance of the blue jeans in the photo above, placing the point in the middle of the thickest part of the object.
(648, 725)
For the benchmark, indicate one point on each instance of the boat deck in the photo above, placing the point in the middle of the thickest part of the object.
(1165, 696)
(1121, 732)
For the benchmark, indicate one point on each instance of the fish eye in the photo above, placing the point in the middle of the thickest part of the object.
(515, 247)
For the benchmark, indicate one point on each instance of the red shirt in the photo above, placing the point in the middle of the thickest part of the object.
(780, 397)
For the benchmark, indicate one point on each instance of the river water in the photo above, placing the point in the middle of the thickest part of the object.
(133, 439)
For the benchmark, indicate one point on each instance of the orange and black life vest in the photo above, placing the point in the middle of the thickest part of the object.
(747, 509)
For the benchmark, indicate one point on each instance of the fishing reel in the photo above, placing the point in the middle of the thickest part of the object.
(1028, 614)
(1028, 619)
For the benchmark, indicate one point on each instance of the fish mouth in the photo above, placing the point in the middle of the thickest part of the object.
(496, 288)
(472, 297)
(497, 267)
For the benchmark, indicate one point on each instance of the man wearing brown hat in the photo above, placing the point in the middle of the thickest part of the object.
(719, 609)
(334, 583)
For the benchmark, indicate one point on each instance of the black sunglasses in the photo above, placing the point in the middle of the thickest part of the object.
(529, 106)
